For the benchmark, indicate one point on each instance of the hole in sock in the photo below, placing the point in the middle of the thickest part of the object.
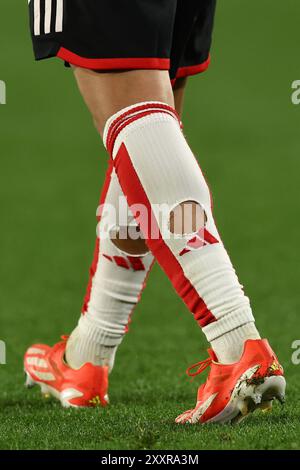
(129, 240)
(187, 217)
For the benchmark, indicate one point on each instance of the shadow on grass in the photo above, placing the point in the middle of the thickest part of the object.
(28, 404)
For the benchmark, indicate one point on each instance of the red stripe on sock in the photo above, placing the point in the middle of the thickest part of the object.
(136, 263)
(106, 184)
(138, 109)
(208, 237)
(121, 262)
(121, 63)
(130, 120)
(108, 257)
(135, 193)
(95, 261)
(93, 269)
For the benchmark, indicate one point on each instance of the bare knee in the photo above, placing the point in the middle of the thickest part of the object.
(109, 92)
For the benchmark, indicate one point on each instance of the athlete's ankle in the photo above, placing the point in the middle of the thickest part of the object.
(230, 346)
(81, 349)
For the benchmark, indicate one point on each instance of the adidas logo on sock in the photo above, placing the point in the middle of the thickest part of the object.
(201, 239)
(133, 262)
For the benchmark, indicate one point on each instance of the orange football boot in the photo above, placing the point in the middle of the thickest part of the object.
(232, 391)
(46, 366)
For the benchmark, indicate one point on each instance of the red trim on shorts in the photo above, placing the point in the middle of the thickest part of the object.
(191, 70)
(94, 265)
(129, 179)
(113, 64)
(121, 262)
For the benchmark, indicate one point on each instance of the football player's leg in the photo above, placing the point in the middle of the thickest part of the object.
(121, 265)
(107, 93)
(118, 275)
(179, 92)
(158, 172)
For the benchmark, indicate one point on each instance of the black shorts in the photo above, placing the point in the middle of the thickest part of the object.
(172, 35)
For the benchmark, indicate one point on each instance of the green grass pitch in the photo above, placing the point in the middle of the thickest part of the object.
(243, 127)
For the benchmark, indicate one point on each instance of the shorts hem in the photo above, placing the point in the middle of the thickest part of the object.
(115, 63)
(193, 69)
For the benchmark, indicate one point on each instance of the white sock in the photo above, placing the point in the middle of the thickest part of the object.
(115, 287)
(230, 346)
(155, 166)
(81, 348)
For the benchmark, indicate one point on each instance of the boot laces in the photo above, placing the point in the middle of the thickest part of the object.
(201, 366)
